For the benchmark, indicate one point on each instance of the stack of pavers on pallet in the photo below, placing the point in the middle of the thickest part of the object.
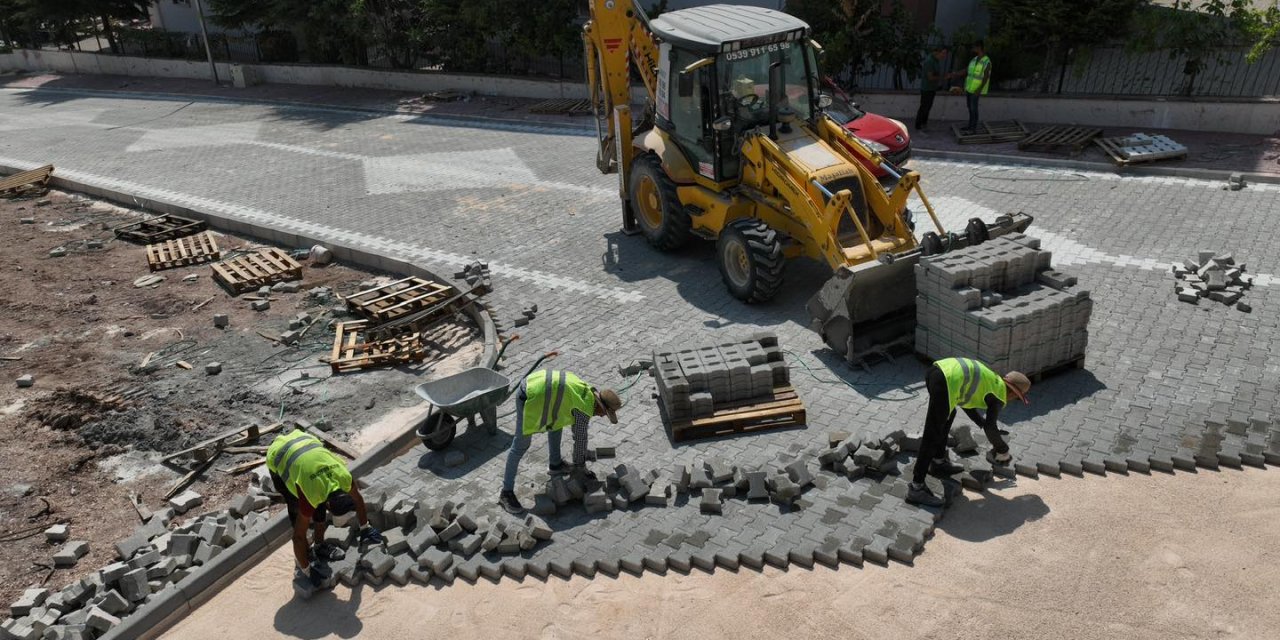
(1000, 302)
(693, 380)
(1216, 277)
(151, 561)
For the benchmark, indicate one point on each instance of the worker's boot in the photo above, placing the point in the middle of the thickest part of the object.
(327, 552)
(561, 468)
(944, 468)
(510, 503)
(922, 496)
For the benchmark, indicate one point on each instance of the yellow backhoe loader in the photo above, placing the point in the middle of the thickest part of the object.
(732, 145)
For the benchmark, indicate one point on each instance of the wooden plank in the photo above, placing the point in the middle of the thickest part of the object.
(329, 442)
(248, 429)
(190, 477)
(244, 466)
(784, 408)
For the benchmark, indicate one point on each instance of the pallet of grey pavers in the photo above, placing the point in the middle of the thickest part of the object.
(731, 386)
(1001, 302)
(1140, 147)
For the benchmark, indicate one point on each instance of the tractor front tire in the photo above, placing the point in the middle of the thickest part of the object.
(751, 262)
(662, 219)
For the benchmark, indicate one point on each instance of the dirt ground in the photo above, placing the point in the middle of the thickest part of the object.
(1159, 557)
(92, 428)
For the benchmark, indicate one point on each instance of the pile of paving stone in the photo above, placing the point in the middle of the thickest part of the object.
(693, 381)
(1001, 303)
(152, 560)
(1216, 276)
(856, 458)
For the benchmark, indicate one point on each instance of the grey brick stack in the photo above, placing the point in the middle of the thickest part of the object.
(693, 381)
(1001, 303)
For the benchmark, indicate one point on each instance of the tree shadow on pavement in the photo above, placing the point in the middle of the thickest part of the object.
(322, 616)
(991, 515)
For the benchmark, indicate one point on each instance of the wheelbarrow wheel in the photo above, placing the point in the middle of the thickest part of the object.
(438, 431)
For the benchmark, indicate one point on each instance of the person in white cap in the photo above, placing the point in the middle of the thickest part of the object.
(548, 401)
(961, 383)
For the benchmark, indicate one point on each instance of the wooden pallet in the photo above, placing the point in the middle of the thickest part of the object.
(1123, 151)
(992, 132)
(182, 252)
(783, 409)
(568, 106)
(253, 270)
(1070, 365)
(159, 229)
(35, 181)
(1054, 138)
(396, 299)
(351, 351)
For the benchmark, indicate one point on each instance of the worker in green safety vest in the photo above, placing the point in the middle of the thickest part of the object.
(976, 82)
(548, 401)
(315, 483)
(961, 383)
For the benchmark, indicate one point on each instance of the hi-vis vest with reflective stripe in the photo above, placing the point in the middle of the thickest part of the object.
(977, 69)
(551, 397)
(969, 382)
(300, 459)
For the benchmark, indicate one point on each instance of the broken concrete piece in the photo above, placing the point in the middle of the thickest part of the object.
(213, 368)
(260, 305)
(221, 321)
(71, 553)
(26, 380)
(185, 501)
(321, 254)
(57, 533)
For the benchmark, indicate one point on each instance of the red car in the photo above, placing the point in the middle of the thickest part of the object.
(887, 136)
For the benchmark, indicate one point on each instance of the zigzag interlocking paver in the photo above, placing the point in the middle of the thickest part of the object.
(1160, 376)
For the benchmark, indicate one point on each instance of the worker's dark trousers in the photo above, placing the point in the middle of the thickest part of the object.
(926, 105)
(971, 99)
(937, 423)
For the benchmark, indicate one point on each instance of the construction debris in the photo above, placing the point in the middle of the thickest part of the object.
(26, 183)
(1000, 302)
(26, 380)
(1140, 147)
(1213, 276)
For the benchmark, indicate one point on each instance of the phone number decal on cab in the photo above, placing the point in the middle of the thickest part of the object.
(757, 51)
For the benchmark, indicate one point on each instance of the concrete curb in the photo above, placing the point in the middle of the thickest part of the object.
(175, 603)
(1196, 173)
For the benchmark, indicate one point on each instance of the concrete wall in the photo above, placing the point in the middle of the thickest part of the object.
(1255, 116)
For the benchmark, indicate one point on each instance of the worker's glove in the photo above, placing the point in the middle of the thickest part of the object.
(1000, 459)
(371, 535)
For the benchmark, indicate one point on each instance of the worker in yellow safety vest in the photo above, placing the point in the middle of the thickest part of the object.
(548, 401)
(961, 383)
(315, 483)
(976, 82)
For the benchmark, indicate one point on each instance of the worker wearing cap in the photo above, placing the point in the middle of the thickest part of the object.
(548, 401)
(961, 383)
(314, 483)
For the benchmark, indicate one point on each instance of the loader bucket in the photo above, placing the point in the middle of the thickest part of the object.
(872, 305)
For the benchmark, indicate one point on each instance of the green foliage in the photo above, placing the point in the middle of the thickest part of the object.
(1264, 30)
(331, 31)
(1036, 35)
(860, 35)
(1195, 31)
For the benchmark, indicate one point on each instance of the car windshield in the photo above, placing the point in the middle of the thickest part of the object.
(744, 81)
(843, 111)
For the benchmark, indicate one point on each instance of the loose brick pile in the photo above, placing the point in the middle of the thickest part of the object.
(1001, 303)
(152, 560)
(1216, 277)
(693, 380)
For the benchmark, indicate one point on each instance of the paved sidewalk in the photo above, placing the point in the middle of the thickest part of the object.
(1230, 152)
(1167, 385)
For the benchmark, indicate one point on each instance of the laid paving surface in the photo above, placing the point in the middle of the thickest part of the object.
(1167, 385)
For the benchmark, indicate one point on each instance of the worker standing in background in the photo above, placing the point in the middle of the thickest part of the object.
(548, 401)
(314, 483)
(970, 385)
(976, 82)
(931, 80)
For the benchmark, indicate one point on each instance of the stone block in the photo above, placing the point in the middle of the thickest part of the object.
(57, 533)
(133, 585)
(71, 553)
(710, 502)
(112, 602)
(376, 562)
(421, 539)
(100, 620)
(435, 559)
(450, 532)
(799, 473)
(962, 435)
(400, 571)
(396, 541)
(30, 599)
(868, 458)
(187, 500)
(757, 485)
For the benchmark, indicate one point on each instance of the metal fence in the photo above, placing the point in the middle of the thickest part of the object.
(1116, 71)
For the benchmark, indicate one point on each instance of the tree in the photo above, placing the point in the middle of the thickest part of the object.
(858, 35)
(1051, 29)
(1264, 29)
(1195, 33)
(332, 31)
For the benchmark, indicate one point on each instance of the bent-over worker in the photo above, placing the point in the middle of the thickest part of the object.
(548, 401)
(970, 385)
(314, 483)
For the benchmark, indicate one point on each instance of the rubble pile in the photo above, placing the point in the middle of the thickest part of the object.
(1214, 276)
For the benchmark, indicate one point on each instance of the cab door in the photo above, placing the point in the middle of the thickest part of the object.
(690, 112)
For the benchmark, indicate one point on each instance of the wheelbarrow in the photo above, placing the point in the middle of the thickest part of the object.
(476, 391)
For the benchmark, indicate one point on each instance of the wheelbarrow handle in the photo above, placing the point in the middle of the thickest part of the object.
(505, 343)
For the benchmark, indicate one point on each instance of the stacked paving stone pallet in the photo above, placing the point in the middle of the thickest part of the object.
(151, 561)
(1000, 302)
(694, 380)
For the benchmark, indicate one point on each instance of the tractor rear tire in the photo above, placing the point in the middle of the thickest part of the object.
(751, 261)
(657, 207)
